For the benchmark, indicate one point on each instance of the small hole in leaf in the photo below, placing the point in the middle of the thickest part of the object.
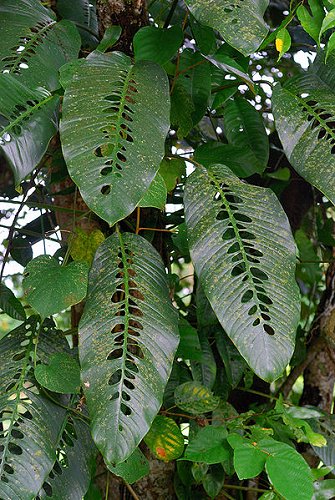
(105, 189)
(106, 170)
(129, 384)
(228, 234)
(125, 396)
(48, 489)
(116, 354)
(256, 322)
(259, 274)
(8, 468)
(247, 296)
(125, 409)
(116, 377)
(15, 449)
(252, 310)
(268, 329)
(114, 396)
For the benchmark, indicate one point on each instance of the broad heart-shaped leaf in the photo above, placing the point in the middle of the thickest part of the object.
(61, 374)
(244, 255)
(128, 337)
(209, 446)
(195, 398)
(31, 423)
(249, 461)
(304, 111)
(287, 470)
(244, 127)
(10, 305)
(50, 288)
(33, 45)
(148, 39)
(113, 133)
(165, 439)
(240, 22)
(28, 120)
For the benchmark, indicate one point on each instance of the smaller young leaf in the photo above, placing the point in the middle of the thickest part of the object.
(208, 446)
(327, 23)
(311, 22)
(330, 46)
(172, 169)
(62, 374)
(111, 36)
(214, 480)
(283, 42)
(195, 398)
(249, 461)
(132, 469)
(50, 288)
(10, 304)
(156, 194)
(165, 439)
(83, 245)
(148, 39)
(287, 470)
(199, 471)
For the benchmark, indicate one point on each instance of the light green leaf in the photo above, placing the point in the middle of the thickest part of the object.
(172, 170)
(156, 194)
(127, 357)
(287, 470)
(29, 120)
(83, 245)
(33, 46)
(283, 42)
(244, 255)
(311, 22)
(208, 446)
(113, 133)
(148, 39)
(241, 23)
(249, 461)
(165, 439)
(330, 46)
(50, 288)
(133, 468)
(195, 398)
(327, 23)
(244, 127)
(303, 110)
(61, 374)
(10, 304)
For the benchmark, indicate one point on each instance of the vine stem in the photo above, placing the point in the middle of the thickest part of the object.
(132, 492)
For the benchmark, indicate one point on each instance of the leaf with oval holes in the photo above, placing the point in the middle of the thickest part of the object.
(147, 39)
(304, 112)
(29, 120)
(33, 45)
(10, 305)
(156, 194)
(33, 422)
(209, 446)
(133, 468)
(113, 134)
(165, 439)
(127, 341)
(61, 374)
(244, 255)
(50, 288)
(195, 398)
(240, 22)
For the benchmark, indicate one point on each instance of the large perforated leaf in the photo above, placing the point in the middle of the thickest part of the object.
(304, 111)
(30, 422)
(128, 337)
(33, 45)
(115, 120)
(240, 22)
(28, 120)
(244, 255)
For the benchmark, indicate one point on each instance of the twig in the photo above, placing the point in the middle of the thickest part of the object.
(138, 218)
(132, 492)
(170, 14)
(243, 488)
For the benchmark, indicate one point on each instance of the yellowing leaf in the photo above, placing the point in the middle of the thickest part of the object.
(83, 245)
(165, 439)
(283, 42)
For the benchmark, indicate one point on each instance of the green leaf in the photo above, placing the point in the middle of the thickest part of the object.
(330, 46)
(172, 170)
(33, 46)
(165, 439)
(327, 23)
(182, 109)
(61, 374)
(29, 120)
(246, 268)
(241, 23)
(148, 39)
(83, 14)
(189, 346)
(10, 304)
(195, 398)
(324, 490)
(249, 461)
(113, 134)
(303, 111)
(204, 36)
(111, 36)
(287, 470)
(133, 468)
(311, 22)
(283, 42)
(31, 423)
(209, 446)
(83, 245)
(214, 480)
(50, 288)
(156, 194)
(244, 127)
(127, 358)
